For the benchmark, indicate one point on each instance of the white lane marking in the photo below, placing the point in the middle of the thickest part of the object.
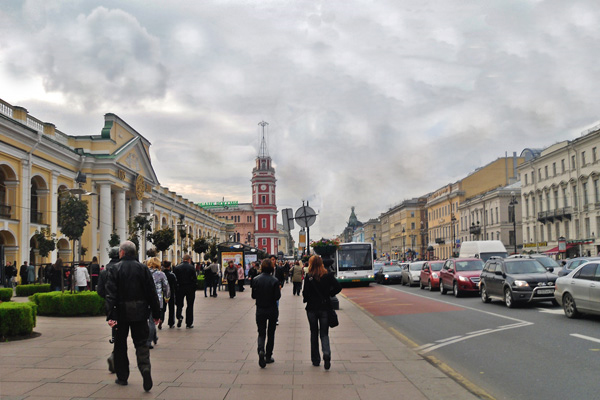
(551, 310)
(473, 333)
(426, 350)
(445, 340)
(591, 339)
(424, 346)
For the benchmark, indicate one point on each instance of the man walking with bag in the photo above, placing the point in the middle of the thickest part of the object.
(266, 291)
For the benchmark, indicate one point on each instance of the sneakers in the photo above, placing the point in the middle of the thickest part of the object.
(327, 361)
(261, 359)
(269, 360)
(147, 380)
(189, 326)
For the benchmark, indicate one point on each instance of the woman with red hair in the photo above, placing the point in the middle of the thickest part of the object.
(319, 286)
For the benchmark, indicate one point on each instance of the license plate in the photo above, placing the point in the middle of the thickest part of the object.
(355, 280)
(545, 291)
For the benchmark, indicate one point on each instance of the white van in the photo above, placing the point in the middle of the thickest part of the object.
(483, 249)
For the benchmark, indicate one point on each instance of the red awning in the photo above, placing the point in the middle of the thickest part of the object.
(554, 250)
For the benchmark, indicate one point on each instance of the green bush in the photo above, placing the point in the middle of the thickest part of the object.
(67, 304)
(17, 318)
(28, 290)
(6, 294)
(200, 282)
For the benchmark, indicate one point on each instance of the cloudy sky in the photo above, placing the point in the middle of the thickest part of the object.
(368, 102)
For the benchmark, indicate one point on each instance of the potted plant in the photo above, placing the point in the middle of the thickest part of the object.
(325, 247)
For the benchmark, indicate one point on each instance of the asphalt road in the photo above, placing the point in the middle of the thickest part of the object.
(530, 352)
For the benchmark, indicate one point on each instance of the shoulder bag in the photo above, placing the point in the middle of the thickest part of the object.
(332, 318)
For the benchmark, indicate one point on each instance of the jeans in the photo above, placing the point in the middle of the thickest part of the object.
(231, 287)
(319, 327)
(139, 335)
(241, 285)
(189, 293)
(266, 322)
(297, 287)
(207, 284)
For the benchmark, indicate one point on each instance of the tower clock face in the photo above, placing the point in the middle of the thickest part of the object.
(263, 187)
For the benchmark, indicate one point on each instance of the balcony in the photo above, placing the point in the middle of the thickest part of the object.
(559, 214)
(5, 210)
(37, 217)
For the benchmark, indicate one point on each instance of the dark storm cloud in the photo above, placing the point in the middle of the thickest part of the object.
(368, 103)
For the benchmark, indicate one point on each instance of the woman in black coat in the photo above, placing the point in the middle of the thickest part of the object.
(319, 286)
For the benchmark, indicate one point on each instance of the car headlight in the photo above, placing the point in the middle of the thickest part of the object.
(521, 283)
(386, 276)
(463, 279)
(434, 275)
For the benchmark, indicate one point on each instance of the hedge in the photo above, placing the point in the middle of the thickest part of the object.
(28, 290)
(17, 318)
(200, 282)
(69, 304)
(6, 294)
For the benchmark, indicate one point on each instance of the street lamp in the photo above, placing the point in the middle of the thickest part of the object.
(181, 227)
(452, 222)
(403, 243)
(511, 205)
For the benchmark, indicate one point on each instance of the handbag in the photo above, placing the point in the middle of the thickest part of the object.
(332, 318)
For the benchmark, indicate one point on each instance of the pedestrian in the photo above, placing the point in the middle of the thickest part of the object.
(297, 274)
(23, 273)
(241, 277)
(82, 277)
(266, 291)
(55, 275)
(280, 272)
(186, 289)
(130, 290)
(253, 271)
(172, 279)
(231, 275)
(94, 272)
(216, 277)
(208, 278)
(9, 274)
(164, 294)
(113, 254)
(31, 274)
(319, 286)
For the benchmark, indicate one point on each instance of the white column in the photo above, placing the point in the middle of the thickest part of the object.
(54, 210)
(105, 220)
(136, 207)
(95, 250)
(25, 211)
(120, 217)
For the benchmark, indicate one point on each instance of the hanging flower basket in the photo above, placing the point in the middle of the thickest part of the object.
(325, 247)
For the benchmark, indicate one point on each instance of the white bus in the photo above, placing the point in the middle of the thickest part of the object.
(354, 263)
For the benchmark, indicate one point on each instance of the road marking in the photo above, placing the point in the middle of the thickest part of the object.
(445, 340)
(591, 339)
(483, 330)
(551, 311)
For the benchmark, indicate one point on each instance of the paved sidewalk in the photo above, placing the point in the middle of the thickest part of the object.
(217, 359)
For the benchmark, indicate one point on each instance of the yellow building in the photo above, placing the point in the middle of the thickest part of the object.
(114, 171)
(402, 224)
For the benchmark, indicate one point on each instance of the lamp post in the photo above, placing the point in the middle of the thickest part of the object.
(180, 227)
(511, 206)
(412, 245)
(452, 222)
(403, 242)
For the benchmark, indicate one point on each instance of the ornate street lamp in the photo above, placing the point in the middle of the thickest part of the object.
(511, 206)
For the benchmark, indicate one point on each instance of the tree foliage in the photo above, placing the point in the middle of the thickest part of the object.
(46, 241)
(138, 224)
(201, 245)
(73, 216)
(114, 240)
(162, 239)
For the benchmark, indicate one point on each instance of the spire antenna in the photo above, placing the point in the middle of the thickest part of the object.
(264, 151)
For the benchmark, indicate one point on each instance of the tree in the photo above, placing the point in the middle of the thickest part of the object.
(137, 224)
(212, 251)
(114, 240)
(73, 216)
(162, 239)
(200, 245)
(46, 241)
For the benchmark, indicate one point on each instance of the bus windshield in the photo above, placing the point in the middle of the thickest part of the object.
(355, 258)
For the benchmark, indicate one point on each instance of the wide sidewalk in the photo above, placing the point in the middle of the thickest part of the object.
(217, 359)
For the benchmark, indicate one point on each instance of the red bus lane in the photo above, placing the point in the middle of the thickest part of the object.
(383, 301)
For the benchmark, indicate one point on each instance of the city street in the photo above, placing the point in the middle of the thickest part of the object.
(530, 352)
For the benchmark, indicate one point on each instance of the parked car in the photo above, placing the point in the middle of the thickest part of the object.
(548, 262)
(573, 263)
(579, 291)
(461, 275)
(516, 280)
(411, 273)
(391, 273)
(430, 275)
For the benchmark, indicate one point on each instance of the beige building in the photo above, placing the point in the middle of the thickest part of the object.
(560, 196)
(113, 169)
(405, 222)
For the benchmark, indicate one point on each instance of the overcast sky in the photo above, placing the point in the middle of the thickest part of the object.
(368, 102)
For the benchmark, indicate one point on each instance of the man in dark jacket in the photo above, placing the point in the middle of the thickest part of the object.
(186, 289)
(172, 279)
(113, 254)
(23, 273)
(130, 291)
(266, 291)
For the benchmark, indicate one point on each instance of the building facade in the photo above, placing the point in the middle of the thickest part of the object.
(560, 196)
(112, 171)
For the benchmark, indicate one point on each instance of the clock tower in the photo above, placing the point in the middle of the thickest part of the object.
(263, 199)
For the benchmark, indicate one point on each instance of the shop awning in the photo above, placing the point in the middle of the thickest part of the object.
(554, 250)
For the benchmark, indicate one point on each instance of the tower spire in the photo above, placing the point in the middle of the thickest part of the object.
(264, 151)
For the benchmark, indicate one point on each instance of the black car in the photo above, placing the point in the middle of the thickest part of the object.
(516, 280)
(389, 274)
